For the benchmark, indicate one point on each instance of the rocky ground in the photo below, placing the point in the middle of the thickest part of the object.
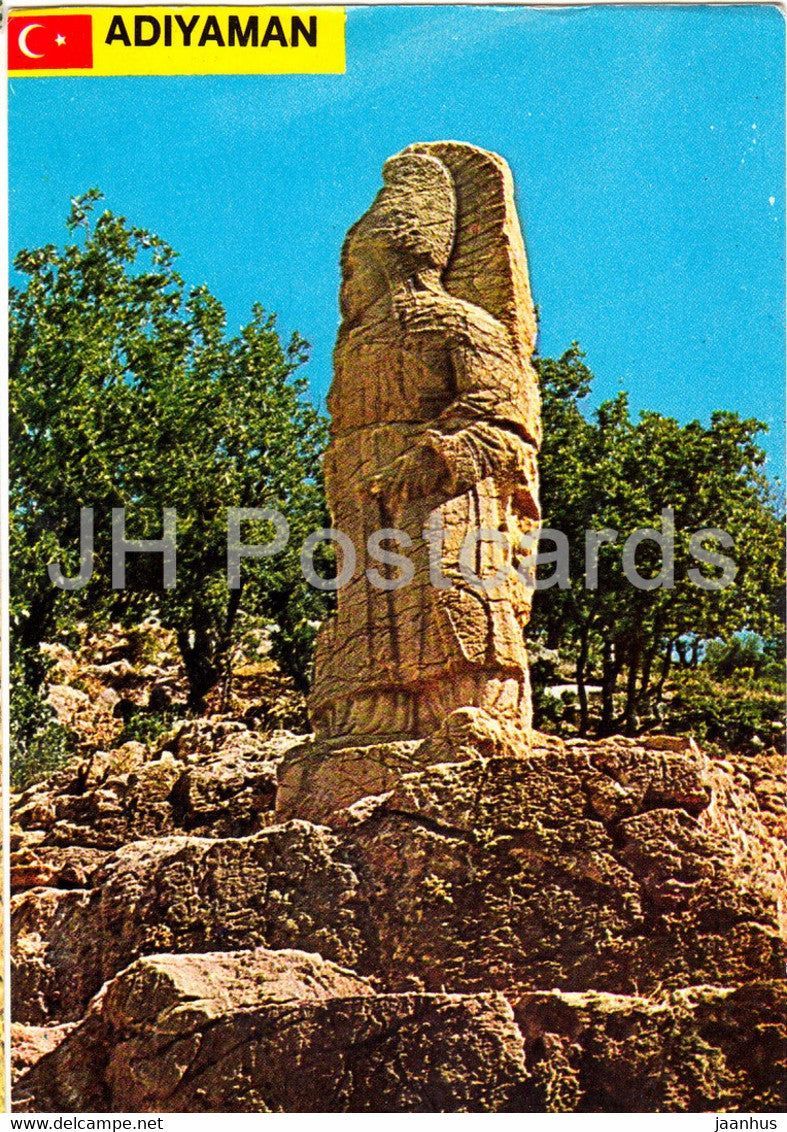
(595, 927)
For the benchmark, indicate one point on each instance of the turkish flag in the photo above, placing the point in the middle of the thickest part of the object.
(49, 43)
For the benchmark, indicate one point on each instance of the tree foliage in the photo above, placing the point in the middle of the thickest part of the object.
(125, 391)
(614, 473)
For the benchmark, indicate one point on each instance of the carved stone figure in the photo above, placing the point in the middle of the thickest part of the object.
(435, 427)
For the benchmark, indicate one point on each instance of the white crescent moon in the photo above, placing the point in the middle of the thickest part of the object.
(23, 42)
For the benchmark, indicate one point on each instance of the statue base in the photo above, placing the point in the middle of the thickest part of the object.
(318, 778)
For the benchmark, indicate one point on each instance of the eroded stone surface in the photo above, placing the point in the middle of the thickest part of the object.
(508, 872)
(702, 1049)
(588, 865)
(314, 781)
(435, 425)
(211, 778)
(276, 1032)
(611, 870)
(29, 1043)
(285, 887)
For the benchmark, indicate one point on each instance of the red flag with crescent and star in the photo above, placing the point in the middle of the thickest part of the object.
(51, 43)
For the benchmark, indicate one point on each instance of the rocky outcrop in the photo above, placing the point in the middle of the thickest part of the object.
(30, 1043)
(641, 878)
(547, 871)
(290, 886)
(214, 779)
(279, 1031)
(695, 1050)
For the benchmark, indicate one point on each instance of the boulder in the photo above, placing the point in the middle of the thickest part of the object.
(214, 780)
(280, 1031)
(698, 1049)
(284, 887)
(580, 866)
(29, 1043)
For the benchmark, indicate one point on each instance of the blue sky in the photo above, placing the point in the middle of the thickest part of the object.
(647, 145)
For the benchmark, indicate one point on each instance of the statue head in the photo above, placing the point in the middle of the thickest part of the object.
(407, 232)
(446, 212)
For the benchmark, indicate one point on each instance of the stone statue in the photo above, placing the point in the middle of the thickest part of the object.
(435, 428)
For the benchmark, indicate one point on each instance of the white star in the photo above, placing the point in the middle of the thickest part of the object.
(60, 40)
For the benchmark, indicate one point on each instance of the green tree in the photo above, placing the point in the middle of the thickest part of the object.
(613, 473)
(125, 391)
(746, 652)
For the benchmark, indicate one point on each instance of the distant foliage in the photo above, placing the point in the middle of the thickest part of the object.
(607, 471)
(734, 714)
(39, 744)
(125, 390)
(746, 654)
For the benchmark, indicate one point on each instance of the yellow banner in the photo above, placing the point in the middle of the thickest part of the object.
(175, 41)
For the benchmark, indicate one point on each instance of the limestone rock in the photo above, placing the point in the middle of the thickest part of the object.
(619, 873)
(29, 1043)
(276, 1032)
(579, 866)
(50, 977)
(110, 676)
(315, 781)
(285, 887)
(748, 810)
(54, 866)
(702, 1049)
(214, 779)
(508, 872)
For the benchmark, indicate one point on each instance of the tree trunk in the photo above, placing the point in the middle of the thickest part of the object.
(36, 628)
(581, 665)
(201, 671)
(224, 661)
(647, 667)
(648, 657)
(555, 634)
(610, 668)
(666, 664)
(630, 713)
(206, 654)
